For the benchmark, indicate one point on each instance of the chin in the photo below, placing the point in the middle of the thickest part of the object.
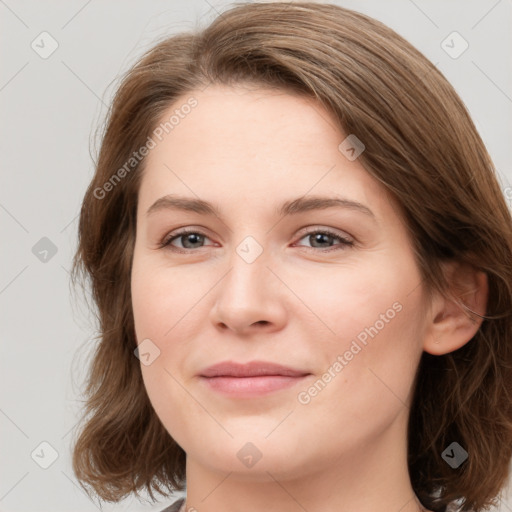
(250, 455)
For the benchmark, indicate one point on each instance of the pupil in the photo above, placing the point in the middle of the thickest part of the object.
(320, 236)
(190, 238)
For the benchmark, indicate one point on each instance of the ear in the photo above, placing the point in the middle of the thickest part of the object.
(452, 321)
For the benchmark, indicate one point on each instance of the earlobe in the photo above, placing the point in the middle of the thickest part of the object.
(454, 319)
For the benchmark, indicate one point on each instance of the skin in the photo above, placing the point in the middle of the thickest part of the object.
(247, 150)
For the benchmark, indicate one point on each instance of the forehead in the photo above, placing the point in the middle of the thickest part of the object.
(260, 145)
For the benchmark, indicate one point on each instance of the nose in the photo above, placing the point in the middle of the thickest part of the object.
(250, 298)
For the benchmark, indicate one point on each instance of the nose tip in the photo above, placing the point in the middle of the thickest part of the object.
(249, 297)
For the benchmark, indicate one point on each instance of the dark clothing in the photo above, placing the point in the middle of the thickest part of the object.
(175, 506)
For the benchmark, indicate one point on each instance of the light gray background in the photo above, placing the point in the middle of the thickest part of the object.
(50, 109)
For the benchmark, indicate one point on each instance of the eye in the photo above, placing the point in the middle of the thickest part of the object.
(322, 236)
(190, 239)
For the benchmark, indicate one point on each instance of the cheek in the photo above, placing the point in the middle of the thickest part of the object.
(375, 321)
(380, 344)
(163, 299)
(362, 300)
(160, 298)
(368, 367)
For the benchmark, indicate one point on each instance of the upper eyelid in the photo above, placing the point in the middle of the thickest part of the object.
(317, 227)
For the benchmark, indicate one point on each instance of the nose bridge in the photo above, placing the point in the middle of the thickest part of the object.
(247, 294)
(249, 274)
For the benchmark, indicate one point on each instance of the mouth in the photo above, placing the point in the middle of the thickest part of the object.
(250, 386)
(252, 379)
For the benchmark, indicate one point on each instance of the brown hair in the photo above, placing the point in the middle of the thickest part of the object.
(420, 144)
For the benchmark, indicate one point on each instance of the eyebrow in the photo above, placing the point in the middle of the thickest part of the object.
(293, 207)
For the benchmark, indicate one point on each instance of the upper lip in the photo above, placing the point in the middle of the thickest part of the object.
(250, 369)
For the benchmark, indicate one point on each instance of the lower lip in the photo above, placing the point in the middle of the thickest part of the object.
(251, 386)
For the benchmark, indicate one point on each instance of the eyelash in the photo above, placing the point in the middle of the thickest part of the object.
(166, 242)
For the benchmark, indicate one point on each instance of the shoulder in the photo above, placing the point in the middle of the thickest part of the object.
(175, 507)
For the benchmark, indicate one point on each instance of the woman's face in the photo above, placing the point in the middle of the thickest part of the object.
(255, 283)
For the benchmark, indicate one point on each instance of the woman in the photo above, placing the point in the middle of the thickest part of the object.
(240, 356)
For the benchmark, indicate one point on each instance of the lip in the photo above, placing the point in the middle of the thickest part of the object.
(251, 379)
(250, 369)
